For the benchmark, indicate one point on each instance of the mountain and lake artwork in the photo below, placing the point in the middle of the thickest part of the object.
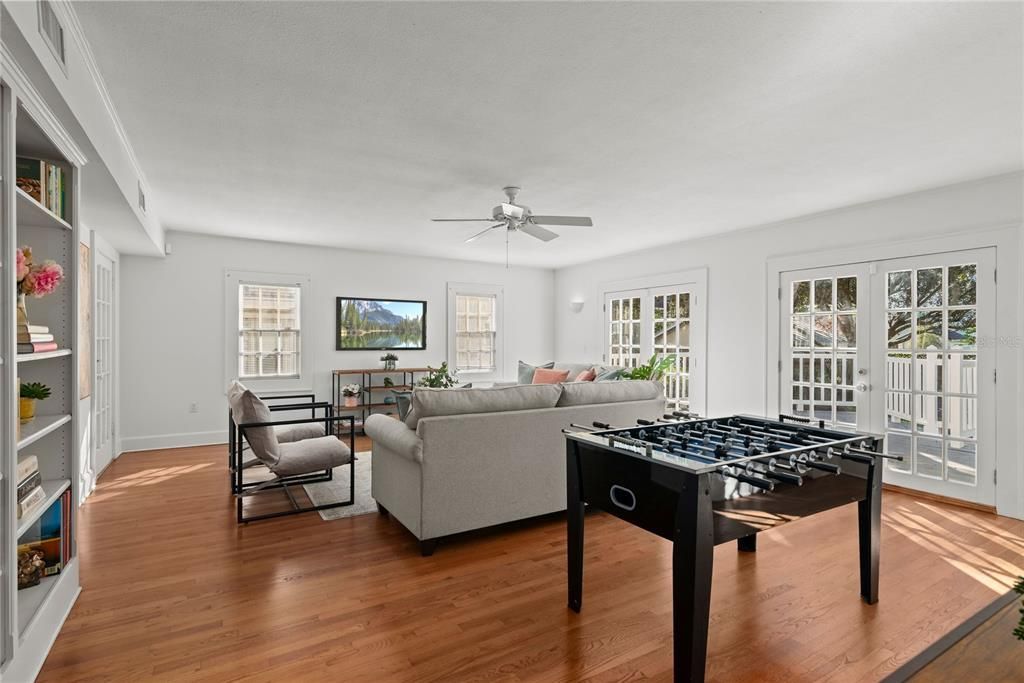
(376, 324)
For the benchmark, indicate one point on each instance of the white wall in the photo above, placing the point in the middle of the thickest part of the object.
(174, 334)
(737, 267)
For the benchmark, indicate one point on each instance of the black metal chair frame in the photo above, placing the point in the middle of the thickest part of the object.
(237, 448)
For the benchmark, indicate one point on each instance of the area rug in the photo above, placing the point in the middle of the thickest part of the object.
(325, 492)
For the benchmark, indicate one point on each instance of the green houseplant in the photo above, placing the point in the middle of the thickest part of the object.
(653, 369)
(1019, 590)
(390, 361)
(29, 394)
(438, 378)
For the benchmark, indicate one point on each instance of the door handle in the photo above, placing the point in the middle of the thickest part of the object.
(861, 387)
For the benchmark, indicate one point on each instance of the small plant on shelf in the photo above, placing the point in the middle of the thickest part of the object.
(388, 382)
(438, 378)
(390, 361)
(30, 393)
(351, 393)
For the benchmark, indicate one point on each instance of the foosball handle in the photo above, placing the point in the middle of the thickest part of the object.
(759, 482)
(646, 423)
(602, 425)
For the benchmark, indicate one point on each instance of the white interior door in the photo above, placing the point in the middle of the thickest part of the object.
(103, 386)
(937, 404)
(667, 321)
(825, 347)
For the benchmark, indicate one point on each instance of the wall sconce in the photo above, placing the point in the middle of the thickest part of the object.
(576, 305)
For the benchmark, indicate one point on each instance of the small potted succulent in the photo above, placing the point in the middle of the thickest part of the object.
(30, 393)
(390, 361)
(351, 393)
(389, 383)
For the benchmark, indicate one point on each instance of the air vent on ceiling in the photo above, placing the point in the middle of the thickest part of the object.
(52, 31)
(142, 199)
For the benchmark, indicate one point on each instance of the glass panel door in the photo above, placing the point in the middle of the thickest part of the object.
(670, 335)
(625, 318)
(824, 345)
(938, 379)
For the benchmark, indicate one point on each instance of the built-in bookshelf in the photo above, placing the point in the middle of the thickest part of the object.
(31, 617)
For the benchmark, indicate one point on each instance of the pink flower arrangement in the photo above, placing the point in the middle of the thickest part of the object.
(36, 280)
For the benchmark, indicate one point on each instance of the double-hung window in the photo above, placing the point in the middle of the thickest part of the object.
(268, 331)
(475, 334)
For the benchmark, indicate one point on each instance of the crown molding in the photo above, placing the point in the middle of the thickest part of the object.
(74, 28)
(35, 105)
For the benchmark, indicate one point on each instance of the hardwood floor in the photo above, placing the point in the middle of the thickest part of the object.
(990, 653)
(174, 590)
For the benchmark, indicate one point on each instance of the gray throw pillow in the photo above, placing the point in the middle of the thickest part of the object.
(403, 402)
(526, 371)
(609, 374)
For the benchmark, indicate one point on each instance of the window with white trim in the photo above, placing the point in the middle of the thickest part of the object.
(268, 331)
(475, 335)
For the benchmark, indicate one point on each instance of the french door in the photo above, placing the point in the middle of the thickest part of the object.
(897, 347)
(103, 392)
(663, 321)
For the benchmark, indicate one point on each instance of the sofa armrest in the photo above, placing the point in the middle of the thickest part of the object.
(395, 436)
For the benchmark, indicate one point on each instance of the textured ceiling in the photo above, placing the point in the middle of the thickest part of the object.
(353, 124)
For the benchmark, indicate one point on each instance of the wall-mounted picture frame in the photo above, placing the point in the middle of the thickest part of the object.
(378, 324)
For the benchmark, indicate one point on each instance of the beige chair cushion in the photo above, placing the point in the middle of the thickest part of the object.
(293, 433)
(437, 402)
(311, 455)
(591, 393)
(247, 407)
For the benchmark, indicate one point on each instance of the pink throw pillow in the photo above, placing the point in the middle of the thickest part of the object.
(586, 376)
(547, 376)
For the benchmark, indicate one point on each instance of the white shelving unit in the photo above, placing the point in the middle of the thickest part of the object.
(31, 618)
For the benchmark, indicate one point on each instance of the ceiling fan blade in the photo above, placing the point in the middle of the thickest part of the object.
(484, 232)
(538, 232)
(462, 220)
(581, 221)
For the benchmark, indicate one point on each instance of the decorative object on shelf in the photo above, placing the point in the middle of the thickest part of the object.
(438, 378)
(35, 280)
(30, 393)
(654, 369)
(31, 562)
(379, 325)
(351, 394)
(388, 383)
(389, 400)
(390, 361)
(44, 539)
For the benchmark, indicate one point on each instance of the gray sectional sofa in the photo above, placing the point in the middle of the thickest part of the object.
(471, 458)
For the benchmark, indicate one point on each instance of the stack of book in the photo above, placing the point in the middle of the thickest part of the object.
(35, 339)
(30, 486)
(42, 181)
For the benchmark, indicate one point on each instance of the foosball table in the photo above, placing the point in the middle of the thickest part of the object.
(703, 482)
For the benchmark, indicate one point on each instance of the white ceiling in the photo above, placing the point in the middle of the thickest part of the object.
(354, 124)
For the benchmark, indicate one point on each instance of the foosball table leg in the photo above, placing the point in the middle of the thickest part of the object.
(693, 551)
(869, 524)
(747, 544)
(574, 510)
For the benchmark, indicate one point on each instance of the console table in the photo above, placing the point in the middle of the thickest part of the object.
(371, 398)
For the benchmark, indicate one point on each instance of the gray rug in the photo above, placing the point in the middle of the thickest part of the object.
(335, 490)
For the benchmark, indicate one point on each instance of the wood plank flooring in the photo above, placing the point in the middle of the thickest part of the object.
(989, 653)
(175, 591)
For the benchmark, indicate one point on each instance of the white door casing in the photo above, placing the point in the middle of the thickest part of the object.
(104, 381)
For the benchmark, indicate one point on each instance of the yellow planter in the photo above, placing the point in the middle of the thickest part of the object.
(26, 409)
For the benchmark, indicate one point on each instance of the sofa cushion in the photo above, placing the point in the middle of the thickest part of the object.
(606, 374)
(573, 368)
(588, 375)
(437, 402)
(247, 407)
(311, 455)
(546, 376)
(588, 393)
(293, 433)
(526, 371)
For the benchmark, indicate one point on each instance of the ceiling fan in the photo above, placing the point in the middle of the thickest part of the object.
(518, 218)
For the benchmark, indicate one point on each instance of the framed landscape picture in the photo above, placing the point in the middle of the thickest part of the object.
(378, 324)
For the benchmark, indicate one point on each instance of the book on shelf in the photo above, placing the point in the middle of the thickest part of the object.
(34, 338)
(33, 500)
(27, 466)
(41, 549)
(42, 181)
(65, 546)
(36, 347)
(25, 488)
(33, 329)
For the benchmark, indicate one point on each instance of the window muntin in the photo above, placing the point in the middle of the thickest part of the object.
(476, 332)
(268, 331)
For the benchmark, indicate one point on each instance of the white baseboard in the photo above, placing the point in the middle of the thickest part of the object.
(159, 441)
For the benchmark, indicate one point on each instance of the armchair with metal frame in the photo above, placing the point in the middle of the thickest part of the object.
(286, 434)
(296, 463)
